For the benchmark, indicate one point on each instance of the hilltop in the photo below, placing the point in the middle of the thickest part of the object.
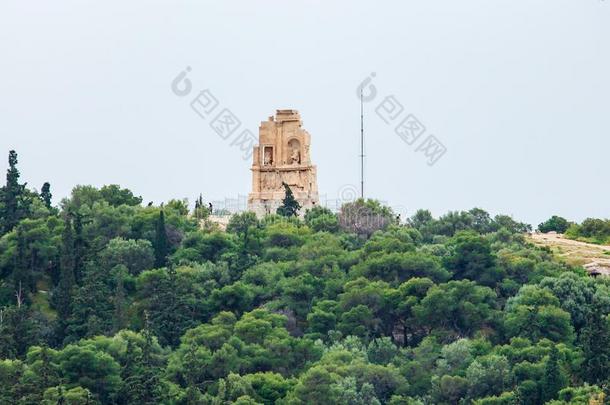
(593, 257)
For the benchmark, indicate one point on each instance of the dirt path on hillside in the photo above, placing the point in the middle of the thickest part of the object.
(595, 258)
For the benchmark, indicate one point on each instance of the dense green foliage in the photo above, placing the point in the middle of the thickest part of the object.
(105, 301)
(554, 224)
(591, 230)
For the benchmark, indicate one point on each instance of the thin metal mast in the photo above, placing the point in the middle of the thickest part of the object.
(361, 147)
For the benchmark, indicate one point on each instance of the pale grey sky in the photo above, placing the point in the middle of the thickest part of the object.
(517, 91)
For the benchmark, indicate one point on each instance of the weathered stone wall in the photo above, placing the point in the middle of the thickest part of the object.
(282, 156)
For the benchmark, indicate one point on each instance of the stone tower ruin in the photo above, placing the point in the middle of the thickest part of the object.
(282, 156)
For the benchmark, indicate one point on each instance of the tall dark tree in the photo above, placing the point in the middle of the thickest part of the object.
(18, 331)
(201, 211)
(80, 246)
(150, 371)
(140, 374)
(45, 194)
(43, 374)
(47, 372)
(246, 226)
(22, 273)
(15, 201)
(120, 300)
(132, 390)
(92, 308)
(64, 292)
(7, 338)
(290, 206)
(553, 379)
(595, 343)
(161, 241)
(170, 312)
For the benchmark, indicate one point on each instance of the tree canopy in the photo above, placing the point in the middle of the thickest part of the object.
(106, 301)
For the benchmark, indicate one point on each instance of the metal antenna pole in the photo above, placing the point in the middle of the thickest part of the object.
(361, 146)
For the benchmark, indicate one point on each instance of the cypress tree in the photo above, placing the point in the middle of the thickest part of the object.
(45, 194)
(79, 248)
(18, 331)
(47, 372)
(7, 338)
(290, 206)
(43, 375)
(140, 373)
(200, 212)
(61, 400)
(553, 379)
(129, 374)
(150, 371)
(92, 307)
(170, 313)
(15, 203)
(22, 275)
(65, 290)
(161, 242)
(595, 343)
(119, 300)
(11, 192)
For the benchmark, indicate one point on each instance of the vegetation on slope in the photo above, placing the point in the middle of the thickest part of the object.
(105, 301)
(591, 230)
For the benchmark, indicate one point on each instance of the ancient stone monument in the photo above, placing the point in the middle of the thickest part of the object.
(282, 156)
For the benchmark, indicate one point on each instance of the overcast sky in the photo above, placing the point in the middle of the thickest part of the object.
(516, 91)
